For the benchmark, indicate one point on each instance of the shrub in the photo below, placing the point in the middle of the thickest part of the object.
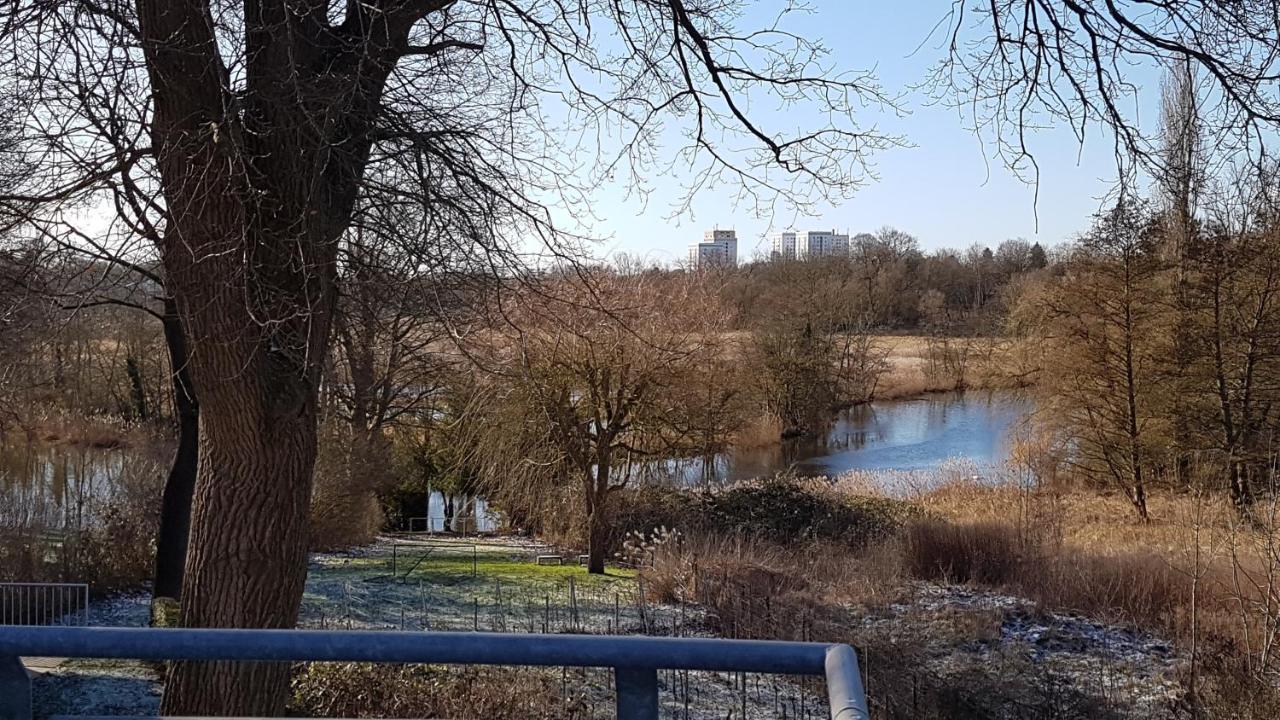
(788, 510)
(784, 510)
(344, 507)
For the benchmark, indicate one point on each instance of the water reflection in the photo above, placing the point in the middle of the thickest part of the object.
(469, 514)
(896, 435)
(60, 489)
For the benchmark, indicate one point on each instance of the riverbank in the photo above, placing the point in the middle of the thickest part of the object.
(919, 367)
(924, 636)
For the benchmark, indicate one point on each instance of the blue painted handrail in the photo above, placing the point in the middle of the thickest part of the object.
(635, 659)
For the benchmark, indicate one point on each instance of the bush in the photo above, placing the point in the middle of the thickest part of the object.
(344, 506)
(783, 510)
(365, 690)
(788, 510)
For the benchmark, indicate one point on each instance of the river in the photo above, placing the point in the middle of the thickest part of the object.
(920, 434)
(63, 488)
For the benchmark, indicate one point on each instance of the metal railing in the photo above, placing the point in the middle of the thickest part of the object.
(634, 660)
(26, 603)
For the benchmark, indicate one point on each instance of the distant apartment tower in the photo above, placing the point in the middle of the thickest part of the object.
(807, 244)
(718, 247)
(784, 245)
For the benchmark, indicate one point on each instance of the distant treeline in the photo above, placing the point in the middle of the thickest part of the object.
(887, 282)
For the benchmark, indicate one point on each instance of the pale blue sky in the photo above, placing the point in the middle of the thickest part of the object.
(947, 190)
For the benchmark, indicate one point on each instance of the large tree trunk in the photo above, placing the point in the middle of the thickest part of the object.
(179, 487)
(259, 174)
(255, 466)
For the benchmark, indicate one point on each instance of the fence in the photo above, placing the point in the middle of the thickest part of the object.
(568, 607)
(44, 603)
(458, 524)
(635, 661)
(563, 606)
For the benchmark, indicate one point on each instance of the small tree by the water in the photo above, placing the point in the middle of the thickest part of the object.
(611, 364)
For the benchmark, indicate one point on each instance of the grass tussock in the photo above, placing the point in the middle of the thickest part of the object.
(1133, 587)
(754, 588)
(985, 553)
(365, 690)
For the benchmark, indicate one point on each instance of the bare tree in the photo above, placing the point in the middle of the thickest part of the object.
(1105, 328)
(1233, 295)
(610, 364)
(258, 121)
(1015, 66)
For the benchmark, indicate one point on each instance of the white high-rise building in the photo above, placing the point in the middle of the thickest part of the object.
(717, 247)
(821, 243)
(807, 244)
(784, 245)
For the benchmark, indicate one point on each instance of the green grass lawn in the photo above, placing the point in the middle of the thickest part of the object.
(461, 584)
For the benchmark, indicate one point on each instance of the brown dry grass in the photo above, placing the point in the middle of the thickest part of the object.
(908, 374)
(359, 690)
(50, 426)
(1068, 551)
(1196, 574)
(811, 593)
(1094, 521)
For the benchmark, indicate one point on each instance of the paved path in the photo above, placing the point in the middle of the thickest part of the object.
(42, 664)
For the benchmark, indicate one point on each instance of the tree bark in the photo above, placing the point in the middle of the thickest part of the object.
(257, 195)
(179, 487)
(598, 537)
(598, 513)
(255, 465)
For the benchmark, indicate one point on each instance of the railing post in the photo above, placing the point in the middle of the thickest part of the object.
(844, 685)
(15, 689)
(637, 693)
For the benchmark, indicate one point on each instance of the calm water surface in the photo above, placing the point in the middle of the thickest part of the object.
(59, 488)
(65, 487)
(892, 435)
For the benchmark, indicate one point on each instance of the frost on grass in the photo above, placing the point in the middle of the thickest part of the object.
(103, 687)
(1080, 666)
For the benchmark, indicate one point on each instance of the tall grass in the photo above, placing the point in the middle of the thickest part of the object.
(1195, 575)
